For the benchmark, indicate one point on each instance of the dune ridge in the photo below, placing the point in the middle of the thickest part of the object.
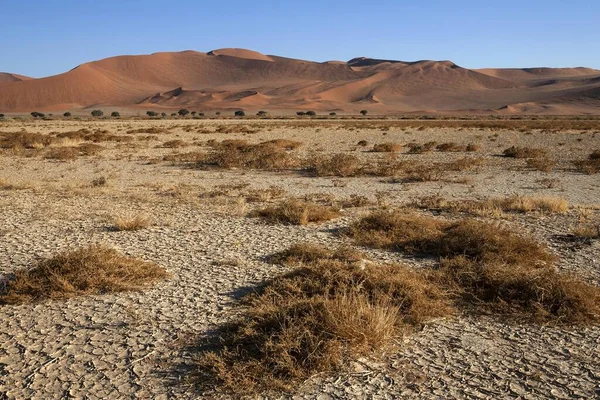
(226, 79)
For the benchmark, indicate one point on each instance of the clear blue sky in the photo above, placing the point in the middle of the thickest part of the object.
(41, 38)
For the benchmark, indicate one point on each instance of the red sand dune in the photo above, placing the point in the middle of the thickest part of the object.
(244, 79)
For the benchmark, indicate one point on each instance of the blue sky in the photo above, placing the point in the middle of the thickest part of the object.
(47, 37)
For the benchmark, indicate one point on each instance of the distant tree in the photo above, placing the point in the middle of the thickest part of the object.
(98, 113)
(262, 113)
(173, 114)
(311, 113)
(194, 113)
(163, 114)
(36, 114)
(300, 113)
(201, 114)
(50, 114)
(183, 112)
(364, 112)
(332, 114)
(151, 113)
(218, 113)
(67, 114)
(1, 115)
(239, 113)
(115, 114)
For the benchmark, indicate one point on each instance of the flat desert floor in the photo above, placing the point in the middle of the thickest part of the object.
(71, 190)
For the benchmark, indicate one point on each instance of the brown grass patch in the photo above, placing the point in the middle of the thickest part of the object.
(87, 271)
(525, 152)
(342, 165)
(333, 308)
(544, 164)
(489, 266)
(591, 165)
(130, 223)
(524, 204)
(296, 212)
(239, 154)
(387, 147)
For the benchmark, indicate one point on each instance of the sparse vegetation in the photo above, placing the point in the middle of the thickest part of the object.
(525, 152)
(131, 223)
(335, 307)
(98, 113)
(387, 147)
(488, 266)
(90, 270)
(591, 165)
(296, 212)
(523, 204)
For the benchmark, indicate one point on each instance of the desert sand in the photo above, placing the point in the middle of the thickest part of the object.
(136, 345)
(231, 79)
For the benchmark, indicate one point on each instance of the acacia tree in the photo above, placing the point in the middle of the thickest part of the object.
(364, 112)
(115, 114)
(98, 113)
(67, 114)
(239, 113)
(183, 112)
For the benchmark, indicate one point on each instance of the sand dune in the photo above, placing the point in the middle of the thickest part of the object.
(238, 78)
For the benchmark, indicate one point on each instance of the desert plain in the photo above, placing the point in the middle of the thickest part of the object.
(211, 203)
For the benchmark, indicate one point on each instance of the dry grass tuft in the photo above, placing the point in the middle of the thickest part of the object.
(129, 223)
(87, 271)
(525, 152)
(489, 266)
(239, 154)
(296, 212)
(544, 164)
(387, 147)
(591, 165)
(333, 308)
(524, 204)
(342, 165)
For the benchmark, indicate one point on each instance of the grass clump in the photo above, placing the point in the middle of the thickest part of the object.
(342, 165)
(86, 271)
(525, 152)
(589, 166)
(270, 155)
(522, 204)
(333, 308)
(296, 212)
(130, 223)
(387, 147)
(487, 266)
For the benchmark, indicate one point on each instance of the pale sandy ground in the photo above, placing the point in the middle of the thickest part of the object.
(134, 345)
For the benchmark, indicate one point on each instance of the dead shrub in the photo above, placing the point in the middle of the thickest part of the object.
(62, 153)
(415, 148)
(450, 147)
(335, 165)
(239, 154)
(90, 270)
(130, 223)
(173, 144)
(24, 140)
(525, 152)
(489, 266)
(589, 166)
(544, 164)
(296, 212)
(464, 164)
(284, 143)
(333, 308)
(473, 147)
(387, 147)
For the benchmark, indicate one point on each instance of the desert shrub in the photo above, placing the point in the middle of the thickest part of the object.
(296, 212)
(450, 147)
(151, 113)
(332, 309)
(332, 114)
(591, 165)
(115, 114)
(183, 112)
(489, 266)
(262, 195)
(387, 147)
(90, 270)
(130, 223)
(472, 147)
(262, 113)
(62, 153)
(524, 152)
(240, 154)
(1, 116)
(284, 143)
(36, 114)
(99, 181)
(300, 113)
(362, 143)
(415, 148)
(364, 112)
(67, 114)
(523, 204)
(24, 140)
(311, 113)
(335, 165)
(176, 143)
(239, 113)
(463, 164)
(97, 113)
(545, 164)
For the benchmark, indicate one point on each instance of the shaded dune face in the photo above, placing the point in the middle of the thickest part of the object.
(238, 78)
